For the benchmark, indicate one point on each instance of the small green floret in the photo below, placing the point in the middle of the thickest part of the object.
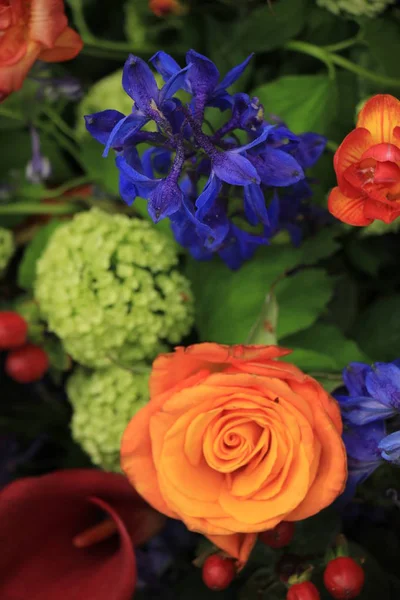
(109, 288)
(7, 248)
(356, 8)
(103, 402)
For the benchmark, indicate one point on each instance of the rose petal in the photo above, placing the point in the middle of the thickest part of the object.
(47, 21)
(66, 47)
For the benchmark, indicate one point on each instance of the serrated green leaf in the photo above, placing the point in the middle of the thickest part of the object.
(301, 299)
(229, 302)
(326, 339)
(314, 535)
(267, 28)
(58, 358)
(304, 102)
(27, 267)
(382, 36)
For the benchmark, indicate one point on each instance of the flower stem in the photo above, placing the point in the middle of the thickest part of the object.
(28, 208)
(62, 140)
(330, 59)
(59, 122)
(344, 44)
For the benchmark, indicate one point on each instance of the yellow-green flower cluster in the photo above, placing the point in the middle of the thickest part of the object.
(356, 8)
(109, 288)
(104, 401)
(7, 248)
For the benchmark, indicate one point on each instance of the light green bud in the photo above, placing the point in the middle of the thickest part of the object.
(103, 403)
(109, 288)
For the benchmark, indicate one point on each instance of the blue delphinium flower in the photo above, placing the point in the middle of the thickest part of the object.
(370, 412)
(215, 187)
(38, 168)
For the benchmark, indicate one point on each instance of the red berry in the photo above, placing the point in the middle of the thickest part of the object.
(218, 572)
(13, 330)
(303, 591)
(344, 578)
(26, 364)
(279, 536)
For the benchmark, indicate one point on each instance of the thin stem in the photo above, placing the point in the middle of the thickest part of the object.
(331, 58)
(315, 51)
(97, 52)
(344, 44)
(27, 208)
(63, 141)
(80, 21)
(69, 185)
(59, 122)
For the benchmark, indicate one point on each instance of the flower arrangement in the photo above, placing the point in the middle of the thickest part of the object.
(199, 307)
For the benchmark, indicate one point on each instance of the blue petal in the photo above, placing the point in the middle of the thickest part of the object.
(123, 130)
(383, 384)
(258, 140)
(175, 83)
(239, 247)
(164, 200)
(139, 83)
(390, 447)
(309, 149)
(203, 75)
(254, 205)
(101, 124)
(208, 196)
(277, 168)
(165, 64)
(234, 169)
(354, 378)
(362, 410)
(144, 185)
(127, 189)
(234, 74)
(362, 442)
(274, 212)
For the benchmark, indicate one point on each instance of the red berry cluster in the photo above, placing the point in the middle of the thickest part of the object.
(25, 362)
(343, 578)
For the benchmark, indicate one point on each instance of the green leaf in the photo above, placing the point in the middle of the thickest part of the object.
(314, 535)
(377, 329)
(325, 339)
(301, 299)
(229, 302)
(304, 102)
(58, 358)
(264, 329)
(134, 26)
(268, 28)
(102, 170)
(27, 267)
(382, 36)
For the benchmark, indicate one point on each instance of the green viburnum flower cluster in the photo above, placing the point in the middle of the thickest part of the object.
(356, 8)
(104, 401)
(109, 289)
(7, 248)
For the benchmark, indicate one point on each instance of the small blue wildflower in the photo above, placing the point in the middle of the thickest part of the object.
(38, 168)
(214, 187)
(374, 392)
(363, 454)
(389, 447)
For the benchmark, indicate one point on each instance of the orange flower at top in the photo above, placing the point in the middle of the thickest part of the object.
(31, 30)
(233, 441)
(367, 165)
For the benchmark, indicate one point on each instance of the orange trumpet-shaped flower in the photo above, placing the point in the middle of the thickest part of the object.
(32, 30)
(367, 165)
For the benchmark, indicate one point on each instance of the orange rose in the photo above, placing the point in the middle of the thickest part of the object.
(31, 30)
(233, 442)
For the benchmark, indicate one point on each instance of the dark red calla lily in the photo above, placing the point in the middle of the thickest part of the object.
(70, 535)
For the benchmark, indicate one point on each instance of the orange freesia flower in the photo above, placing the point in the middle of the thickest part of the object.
(31, 30)
(233, 442)
(367, 165)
